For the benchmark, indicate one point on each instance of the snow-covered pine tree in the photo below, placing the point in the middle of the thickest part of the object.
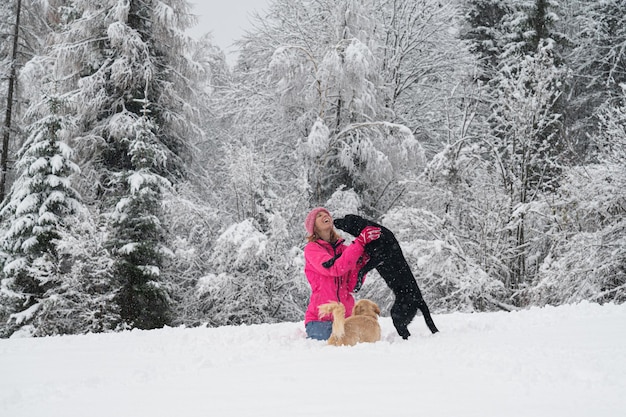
(37, 211)
(132, 84)
(138, 238)
(117, 55)
(484, 19)
(19, 47)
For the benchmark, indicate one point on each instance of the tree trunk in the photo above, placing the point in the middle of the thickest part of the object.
(4, 159)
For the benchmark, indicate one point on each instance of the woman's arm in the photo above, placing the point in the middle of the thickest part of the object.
(316, 255)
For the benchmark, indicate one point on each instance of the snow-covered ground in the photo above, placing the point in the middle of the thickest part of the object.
(566, 361)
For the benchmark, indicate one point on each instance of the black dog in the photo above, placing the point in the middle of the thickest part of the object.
(387, 257)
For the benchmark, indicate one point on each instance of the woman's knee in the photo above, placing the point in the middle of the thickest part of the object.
(319, 330)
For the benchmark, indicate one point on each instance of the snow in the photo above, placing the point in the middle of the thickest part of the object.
(319, 139)
(552, 361)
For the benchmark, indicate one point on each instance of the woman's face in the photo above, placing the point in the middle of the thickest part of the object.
(323, 223)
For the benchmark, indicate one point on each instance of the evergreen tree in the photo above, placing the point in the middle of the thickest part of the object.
(132, 84)
(24, 37)
(37, 211)
(485, 20)
(138, 239)
(130, 51)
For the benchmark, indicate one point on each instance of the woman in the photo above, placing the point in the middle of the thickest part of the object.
(331, 281)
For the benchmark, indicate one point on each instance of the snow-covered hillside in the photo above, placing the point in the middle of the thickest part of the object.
(566, 361)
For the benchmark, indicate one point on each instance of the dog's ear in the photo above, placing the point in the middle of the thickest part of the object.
(376, 309)
(372, 307)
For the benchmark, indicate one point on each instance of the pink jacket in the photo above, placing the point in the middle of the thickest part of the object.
(335, 283)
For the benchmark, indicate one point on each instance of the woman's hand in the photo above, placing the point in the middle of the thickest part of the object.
(368, 234)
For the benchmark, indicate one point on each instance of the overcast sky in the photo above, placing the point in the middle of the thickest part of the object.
(226, 19)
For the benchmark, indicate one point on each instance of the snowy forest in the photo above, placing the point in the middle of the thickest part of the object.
(146, 182)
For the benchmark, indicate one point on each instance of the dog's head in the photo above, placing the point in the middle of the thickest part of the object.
(366, 307)
(352, 224)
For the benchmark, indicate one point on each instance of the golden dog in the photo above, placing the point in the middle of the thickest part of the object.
(362, 326)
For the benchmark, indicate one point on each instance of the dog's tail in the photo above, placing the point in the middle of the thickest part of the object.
(339, 316)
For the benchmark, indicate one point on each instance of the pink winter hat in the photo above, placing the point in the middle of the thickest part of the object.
(309, 223)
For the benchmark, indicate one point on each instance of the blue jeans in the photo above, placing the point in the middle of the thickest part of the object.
(319, 330)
